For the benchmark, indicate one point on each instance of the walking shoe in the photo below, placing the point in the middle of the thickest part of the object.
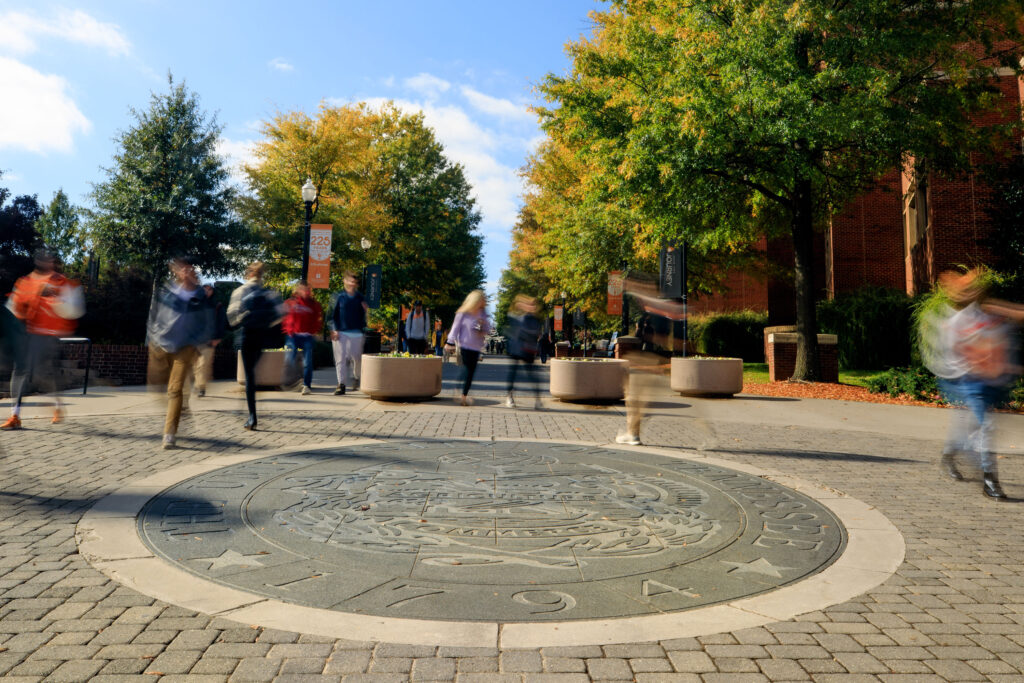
(466, 400)
(169, 442)
(990, 486)
(340, 391)
(628, 439)
(13, 422)
(58, 415)
(510, 402)
(949, 466)
(306, 391)
(200, 392)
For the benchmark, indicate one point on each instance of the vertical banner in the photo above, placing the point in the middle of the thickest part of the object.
(558, 318)
(320, 256)
(615, 287)
(670, 275)
(372, 285)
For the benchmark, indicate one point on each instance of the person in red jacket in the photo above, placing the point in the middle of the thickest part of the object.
(302, 322)
(48, 304)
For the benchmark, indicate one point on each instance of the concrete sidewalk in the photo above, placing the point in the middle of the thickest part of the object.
(953, 611)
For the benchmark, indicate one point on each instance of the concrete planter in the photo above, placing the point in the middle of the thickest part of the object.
(397, 377)
(588, 380)
(271, 370)
(707, 376)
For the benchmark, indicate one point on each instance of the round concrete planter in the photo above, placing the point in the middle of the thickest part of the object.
(398, 377)
(588, 380)
(707, 376)
(271, 370)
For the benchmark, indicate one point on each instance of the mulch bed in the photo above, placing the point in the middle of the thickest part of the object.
(838, 392)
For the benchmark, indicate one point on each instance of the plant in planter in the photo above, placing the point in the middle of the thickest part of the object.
(271, 369)
(588, 379)
(396, 375)
(706, 376)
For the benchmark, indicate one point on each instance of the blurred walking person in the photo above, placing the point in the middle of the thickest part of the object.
(254, 310)
(202, 370)
(417, 329)
(302, 322)
(968, 344)
(523, 333)
(48, 305)
(346, 323)
(469, 329)
(180, 321)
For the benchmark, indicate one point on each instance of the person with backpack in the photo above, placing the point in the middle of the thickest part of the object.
(47, 304)
(254, 310)
(417, 329)
(180, 321)
(346, 323)
(523, 333)
(303, 322)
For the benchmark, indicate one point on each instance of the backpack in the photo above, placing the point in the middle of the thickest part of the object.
(262, 311)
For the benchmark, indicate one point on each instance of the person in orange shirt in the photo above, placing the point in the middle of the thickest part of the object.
(48, 304)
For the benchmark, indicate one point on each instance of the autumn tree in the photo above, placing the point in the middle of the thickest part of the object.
(381, 175)
(18, 238)
(167, 192)
(723, 121)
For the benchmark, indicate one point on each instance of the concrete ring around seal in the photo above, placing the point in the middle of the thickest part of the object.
(488, 543)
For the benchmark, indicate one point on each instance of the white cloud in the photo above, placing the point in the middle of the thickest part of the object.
(20, 33)
(496, 186)
(427, 85)
(497, 106)
(45, 118)
(279, 64)
(236, 153)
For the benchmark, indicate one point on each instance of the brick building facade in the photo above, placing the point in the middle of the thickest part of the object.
(900, 234)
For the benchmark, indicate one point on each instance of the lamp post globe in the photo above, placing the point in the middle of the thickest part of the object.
(308, 197)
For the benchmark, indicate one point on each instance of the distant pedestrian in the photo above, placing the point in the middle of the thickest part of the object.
(523, 334)
(48, 305)
(438, 338)
(180, 321)
(346, 322)
(302, 322)
(417, 329)
(254, 310)
(469, 329)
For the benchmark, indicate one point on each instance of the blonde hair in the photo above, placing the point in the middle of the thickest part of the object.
(473, 300)
(254, 271)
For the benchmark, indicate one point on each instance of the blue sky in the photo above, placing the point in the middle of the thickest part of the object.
(69, 72)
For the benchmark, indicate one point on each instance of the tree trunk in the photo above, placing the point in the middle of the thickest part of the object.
(808, 362)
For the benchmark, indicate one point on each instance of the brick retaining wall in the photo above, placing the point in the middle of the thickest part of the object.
(780, 348)
(121, 364)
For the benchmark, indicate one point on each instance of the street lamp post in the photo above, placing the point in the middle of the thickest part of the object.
(308, 197)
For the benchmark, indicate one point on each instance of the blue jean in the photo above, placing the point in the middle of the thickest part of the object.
(304, 342)
(973, 399)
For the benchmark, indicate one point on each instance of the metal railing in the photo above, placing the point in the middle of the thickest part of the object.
(88, 356)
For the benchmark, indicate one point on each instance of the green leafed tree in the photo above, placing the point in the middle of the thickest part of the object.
(167, 193)
(720, 121)
(60, 227)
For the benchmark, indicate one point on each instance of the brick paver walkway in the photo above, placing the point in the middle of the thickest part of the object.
(954, 611)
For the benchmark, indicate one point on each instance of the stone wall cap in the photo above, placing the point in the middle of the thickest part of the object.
(790, 338)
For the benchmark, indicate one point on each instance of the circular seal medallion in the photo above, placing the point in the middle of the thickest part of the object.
(491, 531)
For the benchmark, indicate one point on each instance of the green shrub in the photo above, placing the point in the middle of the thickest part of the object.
(737, 335)
(912, 381)
(873, 325)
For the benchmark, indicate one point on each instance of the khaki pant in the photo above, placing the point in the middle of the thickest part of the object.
(203, 369)
(170, 370)
(642, 382)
